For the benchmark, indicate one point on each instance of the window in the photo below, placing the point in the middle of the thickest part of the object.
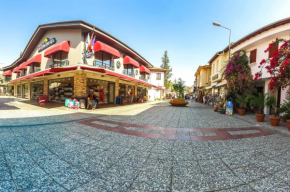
(103, 60)
(7, 78)
(60, 59)
(158, 76)
(273, 49)
(35, 67)
(253, 55)
(217, 66)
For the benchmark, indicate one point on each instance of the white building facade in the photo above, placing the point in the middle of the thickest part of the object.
(255, 45)
(156, 78)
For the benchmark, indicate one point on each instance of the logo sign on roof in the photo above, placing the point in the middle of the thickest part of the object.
(47, 42)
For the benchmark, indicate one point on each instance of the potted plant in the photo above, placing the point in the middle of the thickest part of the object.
(274, 119)
(179, 87)
(258, 102)
(284, 110)
(242, 101)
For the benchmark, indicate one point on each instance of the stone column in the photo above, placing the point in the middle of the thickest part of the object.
(45, 87)
(136, 90)
(116, 90)
(80, 85)
(15, 90)
(29, 91)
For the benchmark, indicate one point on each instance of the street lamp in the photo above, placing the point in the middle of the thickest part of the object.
(219, 25)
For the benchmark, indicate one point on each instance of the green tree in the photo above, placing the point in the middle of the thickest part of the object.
(165, 65)
(179, 87)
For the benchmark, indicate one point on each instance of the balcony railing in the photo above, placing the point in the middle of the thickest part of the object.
(129, 74)
(58, 64)
(143, 78)
(97, 64)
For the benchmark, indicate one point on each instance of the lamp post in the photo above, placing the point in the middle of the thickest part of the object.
(219, 25)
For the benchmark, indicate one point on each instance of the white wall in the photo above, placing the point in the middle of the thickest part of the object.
(154, 81)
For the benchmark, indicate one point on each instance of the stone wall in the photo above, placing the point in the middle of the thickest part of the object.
(80, 85)
(45, 87)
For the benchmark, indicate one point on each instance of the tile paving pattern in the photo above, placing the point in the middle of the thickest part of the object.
(75, 157)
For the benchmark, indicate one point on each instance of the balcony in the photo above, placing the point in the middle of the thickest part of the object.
(128, 73)
(99, 65)
(216, 76)
(143, 78)
(58, 64)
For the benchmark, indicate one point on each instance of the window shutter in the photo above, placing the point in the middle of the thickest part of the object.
(253, 56)
(273, 49)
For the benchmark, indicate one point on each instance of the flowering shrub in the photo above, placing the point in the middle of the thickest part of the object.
(278, 66)
(238, 73)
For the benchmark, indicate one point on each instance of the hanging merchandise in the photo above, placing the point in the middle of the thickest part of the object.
(102, 94)
(229, 108)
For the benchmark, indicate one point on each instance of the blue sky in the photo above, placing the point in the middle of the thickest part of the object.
(182, 27)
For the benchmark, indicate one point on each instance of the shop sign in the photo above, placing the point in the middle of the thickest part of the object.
(118, 64)
(47, 42)
(89, 54)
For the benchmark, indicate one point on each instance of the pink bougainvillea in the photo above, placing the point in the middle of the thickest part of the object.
(278, 66)
(238, 73)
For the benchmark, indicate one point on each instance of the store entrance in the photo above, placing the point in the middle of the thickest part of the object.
(36, 89)
(18, 90)
(104, 91)
(60, 89)
(25, 91)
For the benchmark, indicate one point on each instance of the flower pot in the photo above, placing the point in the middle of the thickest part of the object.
(260, 117)
(241, 111)
(274, 120)
(288, 123)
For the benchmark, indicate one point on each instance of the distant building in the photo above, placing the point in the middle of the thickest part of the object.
(157, 78)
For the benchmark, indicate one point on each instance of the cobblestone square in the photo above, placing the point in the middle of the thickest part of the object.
(143, 147)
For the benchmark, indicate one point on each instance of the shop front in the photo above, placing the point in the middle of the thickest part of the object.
(25, 91)
(60, 89)
(103, 90)
(11, 90)
(126, 93)
(36, 89)
(142, 93)
(18, 90)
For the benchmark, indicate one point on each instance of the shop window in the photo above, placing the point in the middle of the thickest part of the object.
(60, 89)
(60, 59)
(103, 90)
(36, 89)
(253, 56)
(158, 76)
(273, 49)
(103, 60)
(35, 67)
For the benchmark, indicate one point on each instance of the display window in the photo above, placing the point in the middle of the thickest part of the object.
(25, 91)
(141, 92)
(127, 92)
(36, 89)
(60, 89)
(103, 90)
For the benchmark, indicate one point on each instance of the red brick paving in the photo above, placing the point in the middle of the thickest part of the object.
(170, 133)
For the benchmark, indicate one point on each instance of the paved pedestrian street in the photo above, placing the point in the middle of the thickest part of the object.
(141, 147)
